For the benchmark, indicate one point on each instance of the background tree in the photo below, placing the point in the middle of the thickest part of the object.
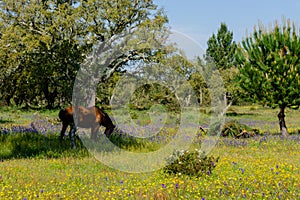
(43, 43)
(221, 49)
(40, 51)
(168, 84)
(269, 66)
(199, 85)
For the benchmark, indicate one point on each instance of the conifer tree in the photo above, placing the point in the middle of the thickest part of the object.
(269, 66)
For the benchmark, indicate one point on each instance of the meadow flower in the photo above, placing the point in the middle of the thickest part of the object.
(227, 183)
(242, 170)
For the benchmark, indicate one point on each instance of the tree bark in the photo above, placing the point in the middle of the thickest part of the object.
(283, 128)
(200, 97)
(225, 98)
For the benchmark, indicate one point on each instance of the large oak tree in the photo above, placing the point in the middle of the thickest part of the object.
(44, 42)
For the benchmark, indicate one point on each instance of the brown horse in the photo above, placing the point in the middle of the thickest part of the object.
(91, 117)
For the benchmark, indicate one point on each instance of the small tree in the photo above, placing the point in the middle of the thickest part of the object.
(221, 48)
(269, 66)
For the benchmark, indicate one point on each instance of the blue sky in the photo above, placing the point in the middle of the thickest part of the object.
(199, 19)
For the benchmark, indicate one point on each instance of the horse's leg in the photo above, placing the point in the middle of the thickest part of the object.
(94, 131)
(63, 130)
(72, 136)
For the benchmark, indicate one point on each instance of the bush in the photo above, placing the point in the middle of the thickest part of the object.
(231, 128)
(235, 129)
(191, 163)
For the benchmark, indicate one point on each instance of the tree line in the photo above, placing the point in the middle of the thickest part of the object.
(43, 44)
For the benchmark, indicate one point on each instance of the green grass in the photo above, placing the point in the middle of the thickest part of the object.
(32, 145)
(260, 170)
(16, 116)
(40, 166)
(265, 119)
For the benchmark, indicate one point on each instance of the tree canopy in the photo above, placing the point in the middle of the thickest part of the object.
(269, 67)
(44, 42)
(221, 49)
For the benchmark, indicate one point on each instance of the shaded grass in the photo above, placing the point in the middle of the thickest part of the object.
(265, 119)
(28, 145)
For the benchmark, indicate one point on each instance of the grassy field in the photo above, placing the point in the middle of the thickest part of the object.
(36, 166)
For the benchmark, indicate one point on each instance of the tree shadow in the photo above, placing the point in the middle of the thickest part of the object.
(233, 114)
(28, 145)
(5, 121)
(114, 142)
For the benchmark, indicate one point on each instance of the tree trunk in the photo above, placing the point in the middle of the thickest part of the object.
(188, 100)
(283, 128)
(225, 99)
(200, 97)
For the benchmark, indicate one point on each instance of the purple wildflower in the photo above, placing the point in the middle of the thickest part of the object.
(208, 172)
(242, 170)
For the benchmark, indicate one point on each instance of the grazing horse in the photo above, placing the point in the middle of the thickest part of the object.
(91, 117)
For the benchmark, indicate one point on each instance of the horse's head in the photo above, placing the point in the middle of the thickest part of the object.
(108, 131)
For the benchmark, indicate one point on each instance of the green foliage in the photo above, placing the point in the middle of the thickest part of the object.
(221, 48)
(105, 89)
(41, 52)
(43, 44)
(269, 66)
(191, 163)
(199, 85)
(151, 94)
